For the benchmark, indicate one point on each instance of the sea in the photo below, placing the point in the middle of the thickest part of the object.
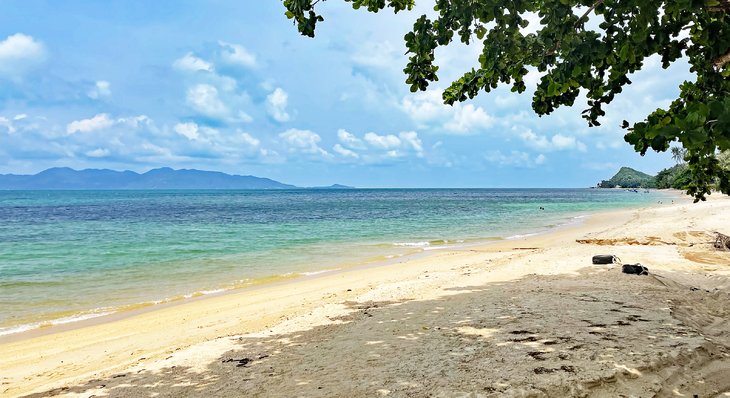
(67, 256)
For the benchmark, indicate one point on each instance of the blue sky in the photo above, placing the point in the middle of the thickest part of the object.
(231, 86)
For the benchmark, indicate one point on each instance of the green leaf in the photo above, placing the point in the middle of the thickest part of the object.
(552, 87)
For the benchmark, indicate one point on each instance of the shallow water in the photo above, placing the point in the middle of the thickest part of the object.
(68, 255)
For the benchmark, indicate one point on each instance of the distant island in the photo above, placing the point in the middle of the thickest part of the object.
(674, 177)
(629, 178)
(60, 178)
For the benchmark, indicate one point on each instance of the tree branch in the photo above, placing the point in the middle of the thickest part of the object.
(720, 61)
(588, 11)
(723, 7)
(575, 26)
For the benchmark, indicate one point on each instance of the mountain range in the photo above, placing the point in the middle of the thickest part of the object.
(163, 178)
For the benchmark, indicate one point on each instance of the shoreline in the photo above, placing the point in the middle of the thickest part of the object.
(143, 339)
(95, 316)
(92, 316)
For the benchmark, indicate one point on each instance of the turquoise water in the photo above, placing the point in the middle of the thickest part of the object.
(69, 255)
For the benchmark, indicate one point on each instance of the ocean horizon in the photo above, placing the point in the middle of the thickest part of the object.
(74, 255)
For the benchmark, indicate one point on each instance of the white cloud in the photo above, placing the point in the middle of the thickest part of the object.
(611, 144)
(509, 100)
(410, 139)
(204, 99)
(157, 154)
(348, 153)
(102, 88)
(276, 103)
(19, 53)
(103, 121)
(382, 141)
(97, 153)
(427, 109)
(515, 159)
(98, 122)
(560, 141)
(270, 156)
(188, 130)
(304, 141)
(20, 116)
(349, 139)
(228, 146)
(468, 119)
(191, 63)
(373, 147)
(250, 140)
(534, 24)
(379, 55)
(134, 121)
(268, 84)
(225, 83)
(557, 142)
(532, 78)
(534, 140)
(236, 54)
(244, 117)
(8, 125)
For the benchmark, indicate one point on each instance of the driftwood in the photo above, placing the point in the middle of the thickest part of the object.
(722, 242)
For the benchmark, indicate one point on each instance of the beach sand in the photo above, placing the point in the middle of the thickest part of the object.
(523, 317)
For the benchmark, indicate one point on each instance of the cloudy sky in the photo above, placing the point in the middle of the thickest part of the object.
(231, 86)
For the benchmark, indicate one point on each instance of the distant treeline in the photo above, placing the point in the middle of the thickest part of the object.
(629, 178)
(677, 176)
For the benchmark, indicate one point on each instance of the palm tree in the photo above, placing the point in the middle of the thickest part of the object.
(678, 154)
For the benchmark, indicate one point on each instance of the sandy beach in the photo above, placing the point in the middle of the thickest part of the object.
(522, 317)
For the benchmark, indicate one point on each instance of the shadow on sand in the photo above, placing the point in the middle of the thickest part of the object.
(598, 333)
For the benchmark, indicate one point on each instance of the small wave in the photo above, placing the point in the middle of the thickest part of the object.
(52, 322)
(212, 291)
(17, 329)
(518, 236)
(413, 244)
(435, 247)
(310, 273)
(203, 293)
(76, 318)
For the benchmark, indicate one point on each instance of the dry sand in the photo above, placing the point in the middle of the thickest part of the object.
(528, 317)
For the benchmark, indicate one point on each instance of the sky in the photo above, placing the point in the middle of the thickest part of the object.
(231, 86)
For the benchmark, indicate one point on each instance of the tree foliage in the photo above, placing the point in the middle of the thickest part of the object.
(724, 160)
(677, 177)
(589, 46)
(629, 178)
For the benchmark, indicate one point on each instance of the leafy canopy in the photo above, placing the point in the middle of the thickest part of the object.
(575, 57)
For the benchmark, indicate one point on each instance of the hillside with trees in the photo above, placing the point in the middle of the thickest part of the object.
(629, 178)
(678, 176)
